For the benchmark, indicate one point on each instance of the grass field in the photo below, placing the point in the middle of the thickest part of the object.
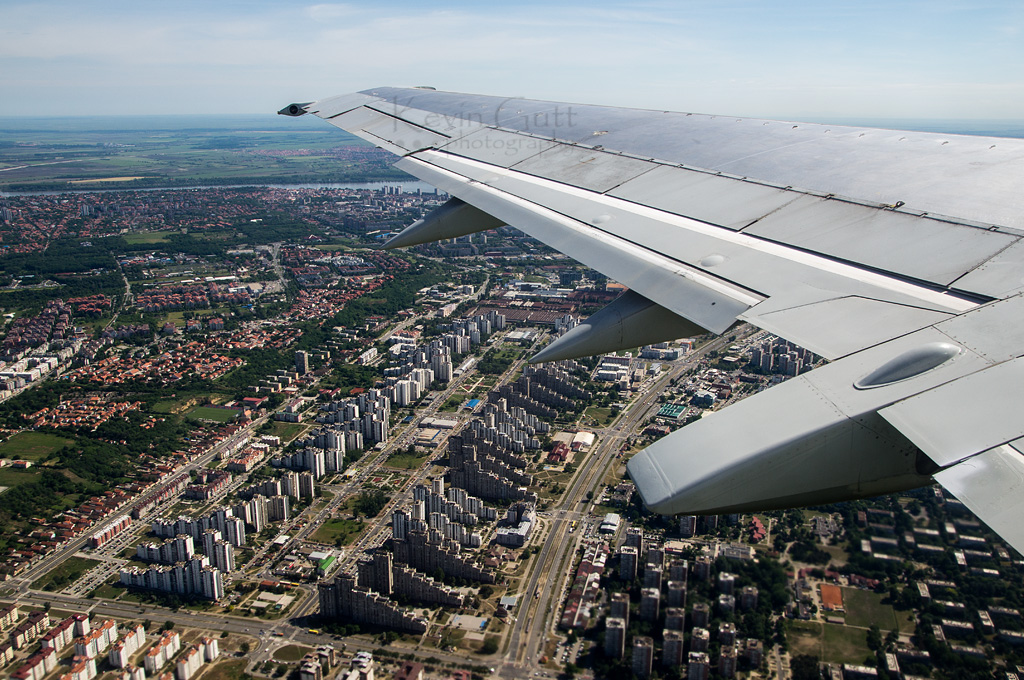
(287, 431)
(405, 461)
(220, 415)
(32, 446)
(333, 529)
(11, 477)
(829, 642)
(107, 592)
(602, 415)
(66, 572)
(864, 608)
(233, 669)
(290, 653)
(147, 237)
(165, 406)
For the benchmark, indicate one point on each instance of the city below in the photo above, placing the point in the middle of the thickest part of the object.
(239, 440)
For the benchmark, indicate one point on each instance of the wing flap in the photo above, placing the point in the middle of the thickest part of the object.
(498, 147)
(908, 245)
(957, 420)
(991, 484)
(704, 196)
(584, 168)
(841, 326)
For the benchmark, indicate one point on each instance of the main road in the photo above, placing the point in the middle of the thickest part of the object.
(552, 572)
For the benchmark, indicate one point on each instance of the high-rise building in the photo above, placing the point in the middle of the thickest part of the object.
(223, 556)
(700, 639)
(675, 618)
(615, 637)
(652, 576)
(643, 656)
(672, 648)
(650, 603)
(700, 614)
(628, 559)
(727, 658)
(677, 594)
(619, 608)
(748, 598)
(302, 362)
(726, 582)
(306, 484)
(234, 531)
(698, 666)
(280, 508)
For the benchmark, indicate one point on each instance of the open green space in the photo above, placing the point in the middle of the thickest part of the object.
(66, 572)
(32, 446)
(233, 669)
(13, 477)
(287, 431)
(146, 237)
(600, 414)
(220, 415)
(829, 642)
(107, 592)
(407, 461)
(864, 608)
(165, 406)
(291, 653)
(333, 530)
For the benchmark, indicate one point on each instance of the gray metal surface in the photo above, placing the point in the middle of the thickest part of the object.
(975, 178)
(899, 241)
(724, 201)
(395, 135)
(841, 326)
(668, 283)
(960, 419)
(582, 167)
(992, 486)
(906, 245)
(768, 269)
(993, 331)
(333, 106)
(1001, 276)
(786, 447)
(498, 147)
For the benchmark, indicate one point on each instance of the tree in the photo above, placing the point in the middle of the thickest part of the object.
(490, 645)
(805, 667)
(168, 625)
(874, 638)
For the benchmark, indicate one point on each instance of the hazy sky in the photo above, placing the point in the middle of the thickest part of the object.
(796, 60)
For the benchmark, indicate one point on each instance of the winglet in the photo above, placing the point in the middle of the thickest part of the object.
(294, 110)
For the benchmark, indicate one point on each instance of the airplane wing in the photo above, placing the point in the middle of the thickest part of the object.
(896, 255)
